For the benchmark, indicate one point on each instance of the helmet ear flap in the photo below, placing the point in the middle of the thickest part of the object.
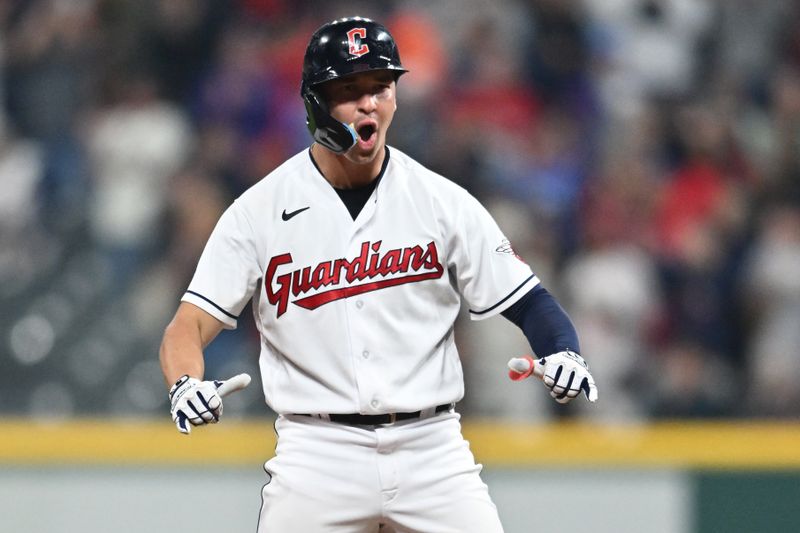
(334, 135)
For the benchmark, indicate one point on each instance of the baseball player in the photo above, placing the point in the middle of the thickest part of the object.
(356, 258)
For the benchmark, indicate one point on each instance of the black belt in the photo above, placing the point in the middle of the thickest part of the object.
(355, 419)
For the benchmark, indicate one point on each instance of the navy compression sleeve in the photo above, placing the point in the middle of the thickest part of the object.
(546, 325)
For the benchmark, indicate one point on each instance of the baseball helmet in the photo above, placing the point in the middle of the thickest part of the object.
(344, 46)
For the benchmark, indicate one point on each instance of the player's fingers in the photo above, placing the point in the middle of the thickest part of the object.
(563, 385)
(589, 389)
(182, 424)
(566, 378)
(568, 394)
(197, 414)
(561, 380)
(212, 412)
(577, 384)
(552, 375)
(211, 399)
(561, 399)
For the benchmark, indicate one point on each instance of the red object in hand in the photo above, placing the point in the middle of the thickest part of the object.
(518, 373)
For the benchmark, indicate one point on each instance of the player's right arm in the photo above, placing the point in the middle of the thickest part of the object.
(193, 402)
(226, 276)
(185, 338)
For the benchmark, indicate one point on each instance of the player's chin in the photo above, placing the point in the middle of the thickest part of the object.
(366, 151)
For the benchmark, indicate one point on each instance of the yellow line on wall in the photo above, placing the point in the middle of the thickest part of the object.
(666, 444)
(250, 442)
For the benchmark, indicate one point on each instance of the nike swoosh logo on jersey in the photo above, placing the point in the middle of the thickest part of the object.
(286, 216)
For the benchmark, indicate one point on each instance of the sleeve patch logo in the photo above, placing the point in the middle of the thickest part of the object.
(505, 248)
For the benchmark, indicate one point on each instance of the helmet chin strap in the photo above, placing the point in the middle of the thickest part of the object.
(334, 135)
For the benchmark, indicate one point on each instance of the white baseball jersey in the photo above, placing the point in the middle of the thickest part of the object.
(356, 316)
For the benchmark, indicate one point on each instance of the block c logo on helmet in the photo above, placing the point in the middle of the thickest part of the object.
(357, 48)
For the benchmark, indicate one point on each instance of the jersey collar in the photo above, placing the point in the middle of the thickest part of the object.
(377, 178)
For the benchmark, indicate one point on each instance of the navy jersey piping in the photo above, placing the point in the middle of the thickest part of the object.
(504, 299)
(215, 305)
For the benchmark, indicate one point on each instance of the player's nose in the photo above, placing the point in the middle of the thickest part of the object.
(367, 102)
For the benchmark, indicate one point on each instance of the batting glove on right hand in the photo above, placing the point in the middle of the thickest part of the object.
(194, 402)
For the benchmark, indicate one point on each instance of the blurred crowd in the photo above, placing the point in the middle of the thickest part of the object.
(642, 155)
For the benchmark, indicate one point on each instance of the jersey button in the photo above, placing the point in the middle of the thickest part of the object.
(374, 404)
(365, 354)
(359, 304)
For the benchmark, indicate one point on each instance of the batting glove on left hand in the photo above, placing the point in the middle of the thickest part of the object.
(196, 402)
(564, 373)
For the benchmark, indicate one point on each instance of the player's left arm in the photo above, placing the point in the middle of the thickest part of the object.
(550, 331)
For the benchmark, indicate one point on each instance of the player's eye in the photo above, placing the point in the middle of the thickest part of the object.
(381, 89)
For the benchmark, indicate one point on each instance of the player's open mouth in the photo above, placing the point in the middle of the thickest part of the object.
(367, 134)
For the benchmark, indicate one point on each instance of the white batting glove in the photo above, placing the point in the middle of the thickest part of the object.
(564, 373)
(195, 402)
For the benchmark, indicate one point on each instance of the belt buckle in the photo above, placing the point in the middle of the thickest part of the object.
(392, 418)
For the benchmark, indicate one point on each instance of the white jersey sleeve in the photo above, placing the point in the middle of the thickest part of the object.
(490, 275)
(228, 270)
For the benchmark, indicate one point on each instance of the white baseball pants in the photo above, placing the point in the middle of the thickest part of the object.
(415, 476)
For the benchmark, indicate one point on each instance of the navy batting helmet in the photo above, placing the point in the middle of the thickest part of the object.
(338, 48)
